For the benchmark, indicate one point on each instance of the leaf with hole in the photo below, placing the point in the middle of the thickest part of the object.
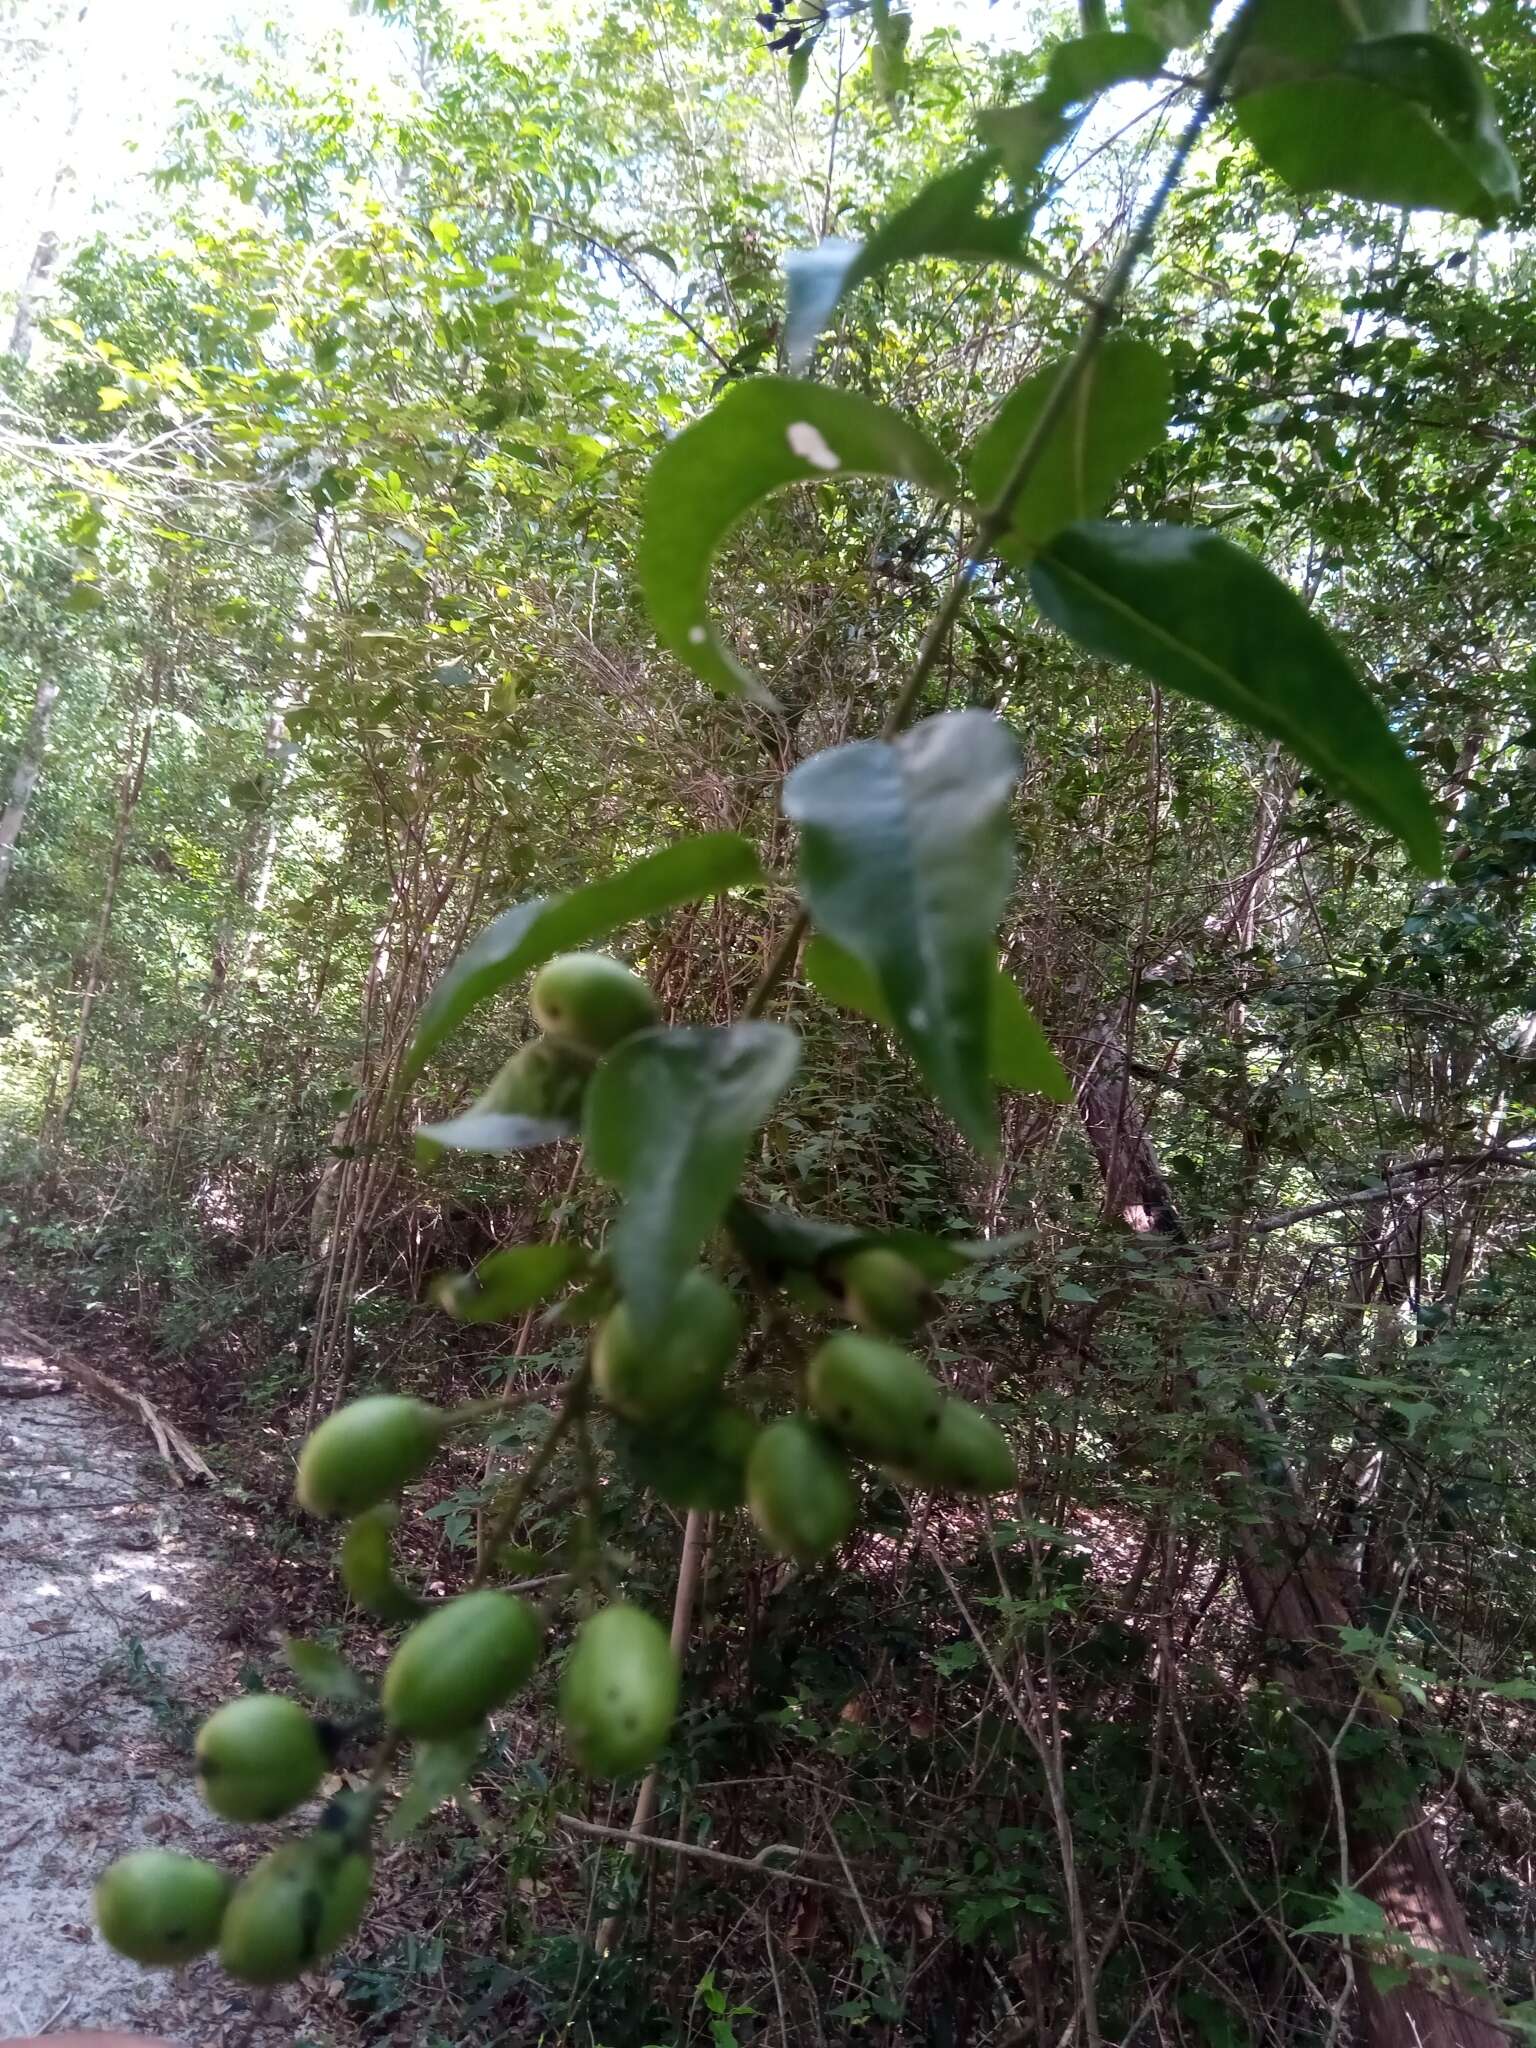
(906, 859)
(1118, 411)
(944, 219)
(1204, 618)
(1019, 1054)
(766, 433)
(531, 933)
(1397, 116)
(669, 1117)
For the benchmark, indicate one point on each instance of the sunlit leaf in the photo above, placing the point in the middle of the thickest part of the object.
(1206, 619)
(1118, 411)
(906, 856)
(765, 433)
(524, 937)
(669, 1117)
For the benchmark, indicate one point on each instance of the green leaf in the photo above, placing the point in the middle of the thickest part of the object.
(1204, 618)
(438, 1769)
(1019, 1055)
(943, 220)
(799, 70)
(1395, 116)
(1173, 23)
(893, 31)
(906, 857)
(507, 1282)
(529, 934)
(1118, 411)
(1088, 65)
(323, 1674)
(669, 1116)
(493, 1131)
(765, 433)
(777, 1240)
(1353, 1913)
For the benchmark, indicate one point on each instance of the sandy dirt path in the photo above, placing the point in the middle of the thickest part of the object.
(109, 1652)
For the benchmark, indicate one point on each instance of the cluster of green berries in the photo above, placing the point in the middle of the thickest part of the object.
(261, 1757)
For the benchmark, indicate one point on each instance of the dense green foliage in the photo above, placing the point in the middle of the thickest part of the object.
(408, 586)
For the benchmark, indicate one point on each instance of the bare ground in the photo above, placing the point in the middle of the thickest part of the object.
(110, 1650)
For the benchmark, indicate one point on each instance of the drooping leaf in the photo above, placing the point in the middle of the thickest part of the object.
(1118, 411)
(765, 433)
(1395, 115)
(1352, 1913)
(906, 857)
(529, 934)
(799, 70)
(669, 1117)
(944, 219)
(1173, 23)
(507, 1282)
(1206, 619)
(1023, 136)
(323, 1674)
(491, 1131)
(438, 1769)
(1019, 1054)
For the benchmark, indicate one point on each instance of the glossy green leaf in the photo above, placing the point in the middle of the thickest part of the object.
(944, 219)
(1118, 411)
(1019, 1054)
(438, 1769)
(1173, 23)
(1206, 619)
(906, 857)
(669, 1117)
(490, 1131)
(507, 1282)
(322, 1673)
(1397, 116)
(531, 933)
(765, 433)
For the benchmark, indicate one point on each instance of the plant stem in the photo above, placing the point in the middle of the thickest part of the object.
(496, 1533)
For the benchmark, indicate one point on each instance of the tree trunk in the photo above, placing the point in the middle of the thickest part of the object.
(1298, 1596)
(26, 774)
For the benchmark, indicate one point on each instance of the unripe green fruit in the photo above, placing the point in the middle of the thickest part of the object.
(649, 1378)
(618, 1691)
(541, 1080)
(800, 1490)
(459, 1663)
(591, 1001)
(967, 1453)
(367, 1570)
(258, 1758)
(881, 1401)
(366, 1452)
(699, 1460)
(297, 1905)
(157, 1907)
(883, 1292)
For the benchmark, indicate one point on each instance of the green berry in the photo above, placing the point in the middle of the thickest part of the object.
(883, 1292)
(258, 1758)
(967, 1453)
(618, 1691)
(462, 1661)
(366, 1452)
(649, 1378)
(800, 1491)
(591, 1002)
(297, 1905)
(881, 1401)
(157, 1907)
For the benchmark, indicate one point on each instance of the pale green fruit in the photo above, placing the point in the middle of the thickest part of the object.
(591, 1001)
(800, 1491)
(883, 1292)
(652, 1377)
(618, 1691)
(462, 1661)
(882, 1402)
(157, 1907)
(967, 1453)
(297, 1905)
(258, 1758)
(366, 1452)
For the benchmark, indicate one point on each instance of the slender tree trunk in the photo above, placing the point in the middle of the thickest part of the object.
(45, 250)
(26, 774)
(1298, 1596)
